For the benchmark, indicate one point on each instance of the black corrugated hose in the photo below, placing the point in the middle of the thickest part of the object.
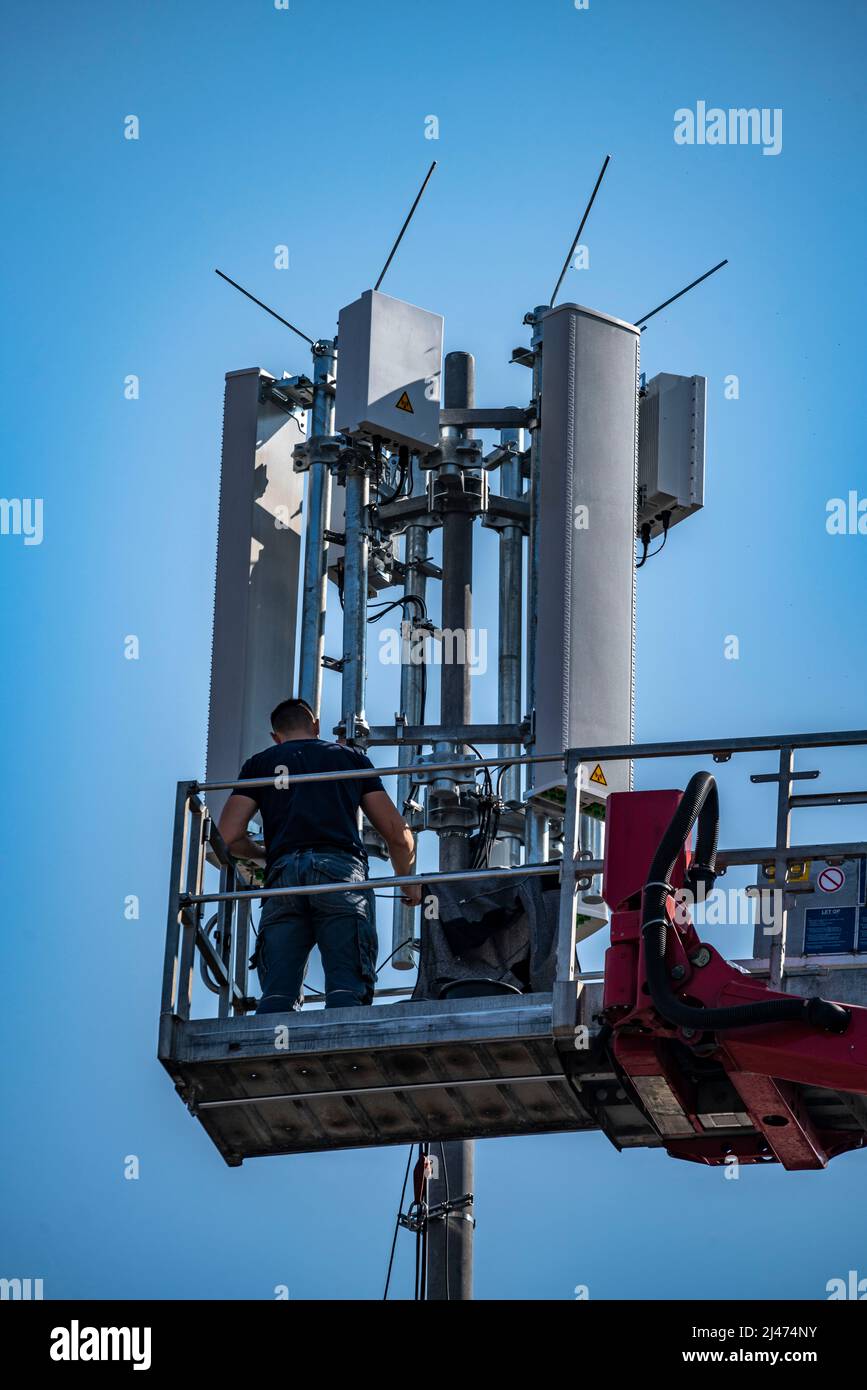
(700, 802)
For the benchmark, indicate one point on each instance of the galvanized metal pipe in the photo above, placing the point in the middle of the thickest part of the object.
(315, 583)
(777, 950)
(615, 752)
(355, 599)
(510, 634)
(412, 679)
(457, 583)
(585, 868)
(450, 1241)
(536, 822)
(391, 771)
(435, 876)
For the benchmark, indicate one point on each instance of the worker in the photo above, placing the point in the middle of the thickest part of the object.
(311, 836)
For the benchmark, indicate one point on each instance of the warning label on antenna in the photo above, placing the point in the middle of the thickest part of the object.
(405, 404)
(598, 776)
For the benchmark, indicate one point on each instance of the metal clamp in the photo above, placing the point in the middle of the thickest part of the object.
(319, 448)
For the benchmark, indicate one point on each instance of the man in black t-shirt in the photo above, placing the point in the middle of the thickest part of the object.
(311, 836)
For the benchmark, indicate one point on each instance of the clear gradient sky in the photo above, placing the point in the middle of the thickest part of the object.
(306, 127)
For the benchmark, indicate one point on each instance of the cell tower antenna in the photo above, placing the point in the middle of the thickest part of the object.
(691, 286)
(409, 218)
(272, 312)
(580, 229)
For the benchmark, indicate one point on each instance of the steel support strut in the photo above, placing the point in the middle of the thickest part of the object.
(355, 561)
(412, 686)
(536, 823)
(450, 1249)
(318, 512)
(509, 642)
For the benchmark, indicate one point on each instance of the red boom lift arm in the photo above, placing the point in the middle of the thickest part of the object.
(724, 1067)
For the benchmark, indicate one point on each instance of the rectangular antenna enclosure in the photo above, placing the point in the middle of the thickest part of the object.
(390, 362)
(256, 590)
(671, 445)
(585, 616)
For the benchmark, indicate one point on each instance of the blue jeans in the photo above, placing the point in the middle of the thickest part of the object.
(342, 925)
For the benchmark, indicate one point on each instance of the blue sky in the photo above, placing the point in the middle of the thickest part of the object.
(306, 127)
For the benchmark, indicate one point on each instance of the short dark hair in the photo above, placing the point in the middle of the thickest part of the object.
(291, 715)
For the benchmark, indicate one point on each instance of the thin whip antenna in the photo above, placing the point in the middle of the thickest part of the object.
(272, 312)
(645, 317)
(580, 230)
(405, 225)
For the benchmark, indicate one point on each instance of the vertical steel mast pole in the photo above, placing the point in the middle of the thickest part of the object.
(509, 653)
(412, 678)
(450, 1239)
(352, 722)
(315, 584)
(535, 825)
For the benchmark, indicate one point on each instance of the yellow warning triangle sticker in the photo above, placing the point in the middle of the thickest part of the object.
(598, 776)
(405, 404)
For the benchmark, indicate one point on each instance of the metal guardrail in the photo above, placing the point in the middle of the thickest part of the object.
(225, 958)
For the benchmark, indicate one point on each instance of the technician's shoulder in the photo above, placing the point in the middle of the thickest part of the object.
(358, 758)
(262, 763)
(341, 755)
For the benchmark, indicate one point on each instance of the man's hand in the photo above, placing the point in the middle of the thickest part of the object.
(386, 818)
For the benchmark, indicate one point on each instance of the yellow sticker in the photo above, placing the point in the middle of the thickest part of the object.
(598, 776)
(405, 404)
(797, 872)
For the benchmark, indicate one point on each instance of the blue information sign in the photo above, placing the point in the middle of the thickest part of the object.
(831, 930)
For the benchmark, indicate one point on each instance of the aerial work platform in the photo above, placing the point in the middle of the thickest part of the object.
(534, 1063)
(382, 1074)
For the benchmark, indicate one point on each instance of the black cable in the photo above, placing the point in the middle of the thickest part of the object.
(377, 613)
(665, 518)
(645, 544)
(407, 942)
(489, 817)
(406, 1178)
(402, 473)
(700, 802)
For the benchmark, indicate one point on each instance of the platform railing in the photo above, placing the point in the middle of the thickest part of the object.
(224, 959)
